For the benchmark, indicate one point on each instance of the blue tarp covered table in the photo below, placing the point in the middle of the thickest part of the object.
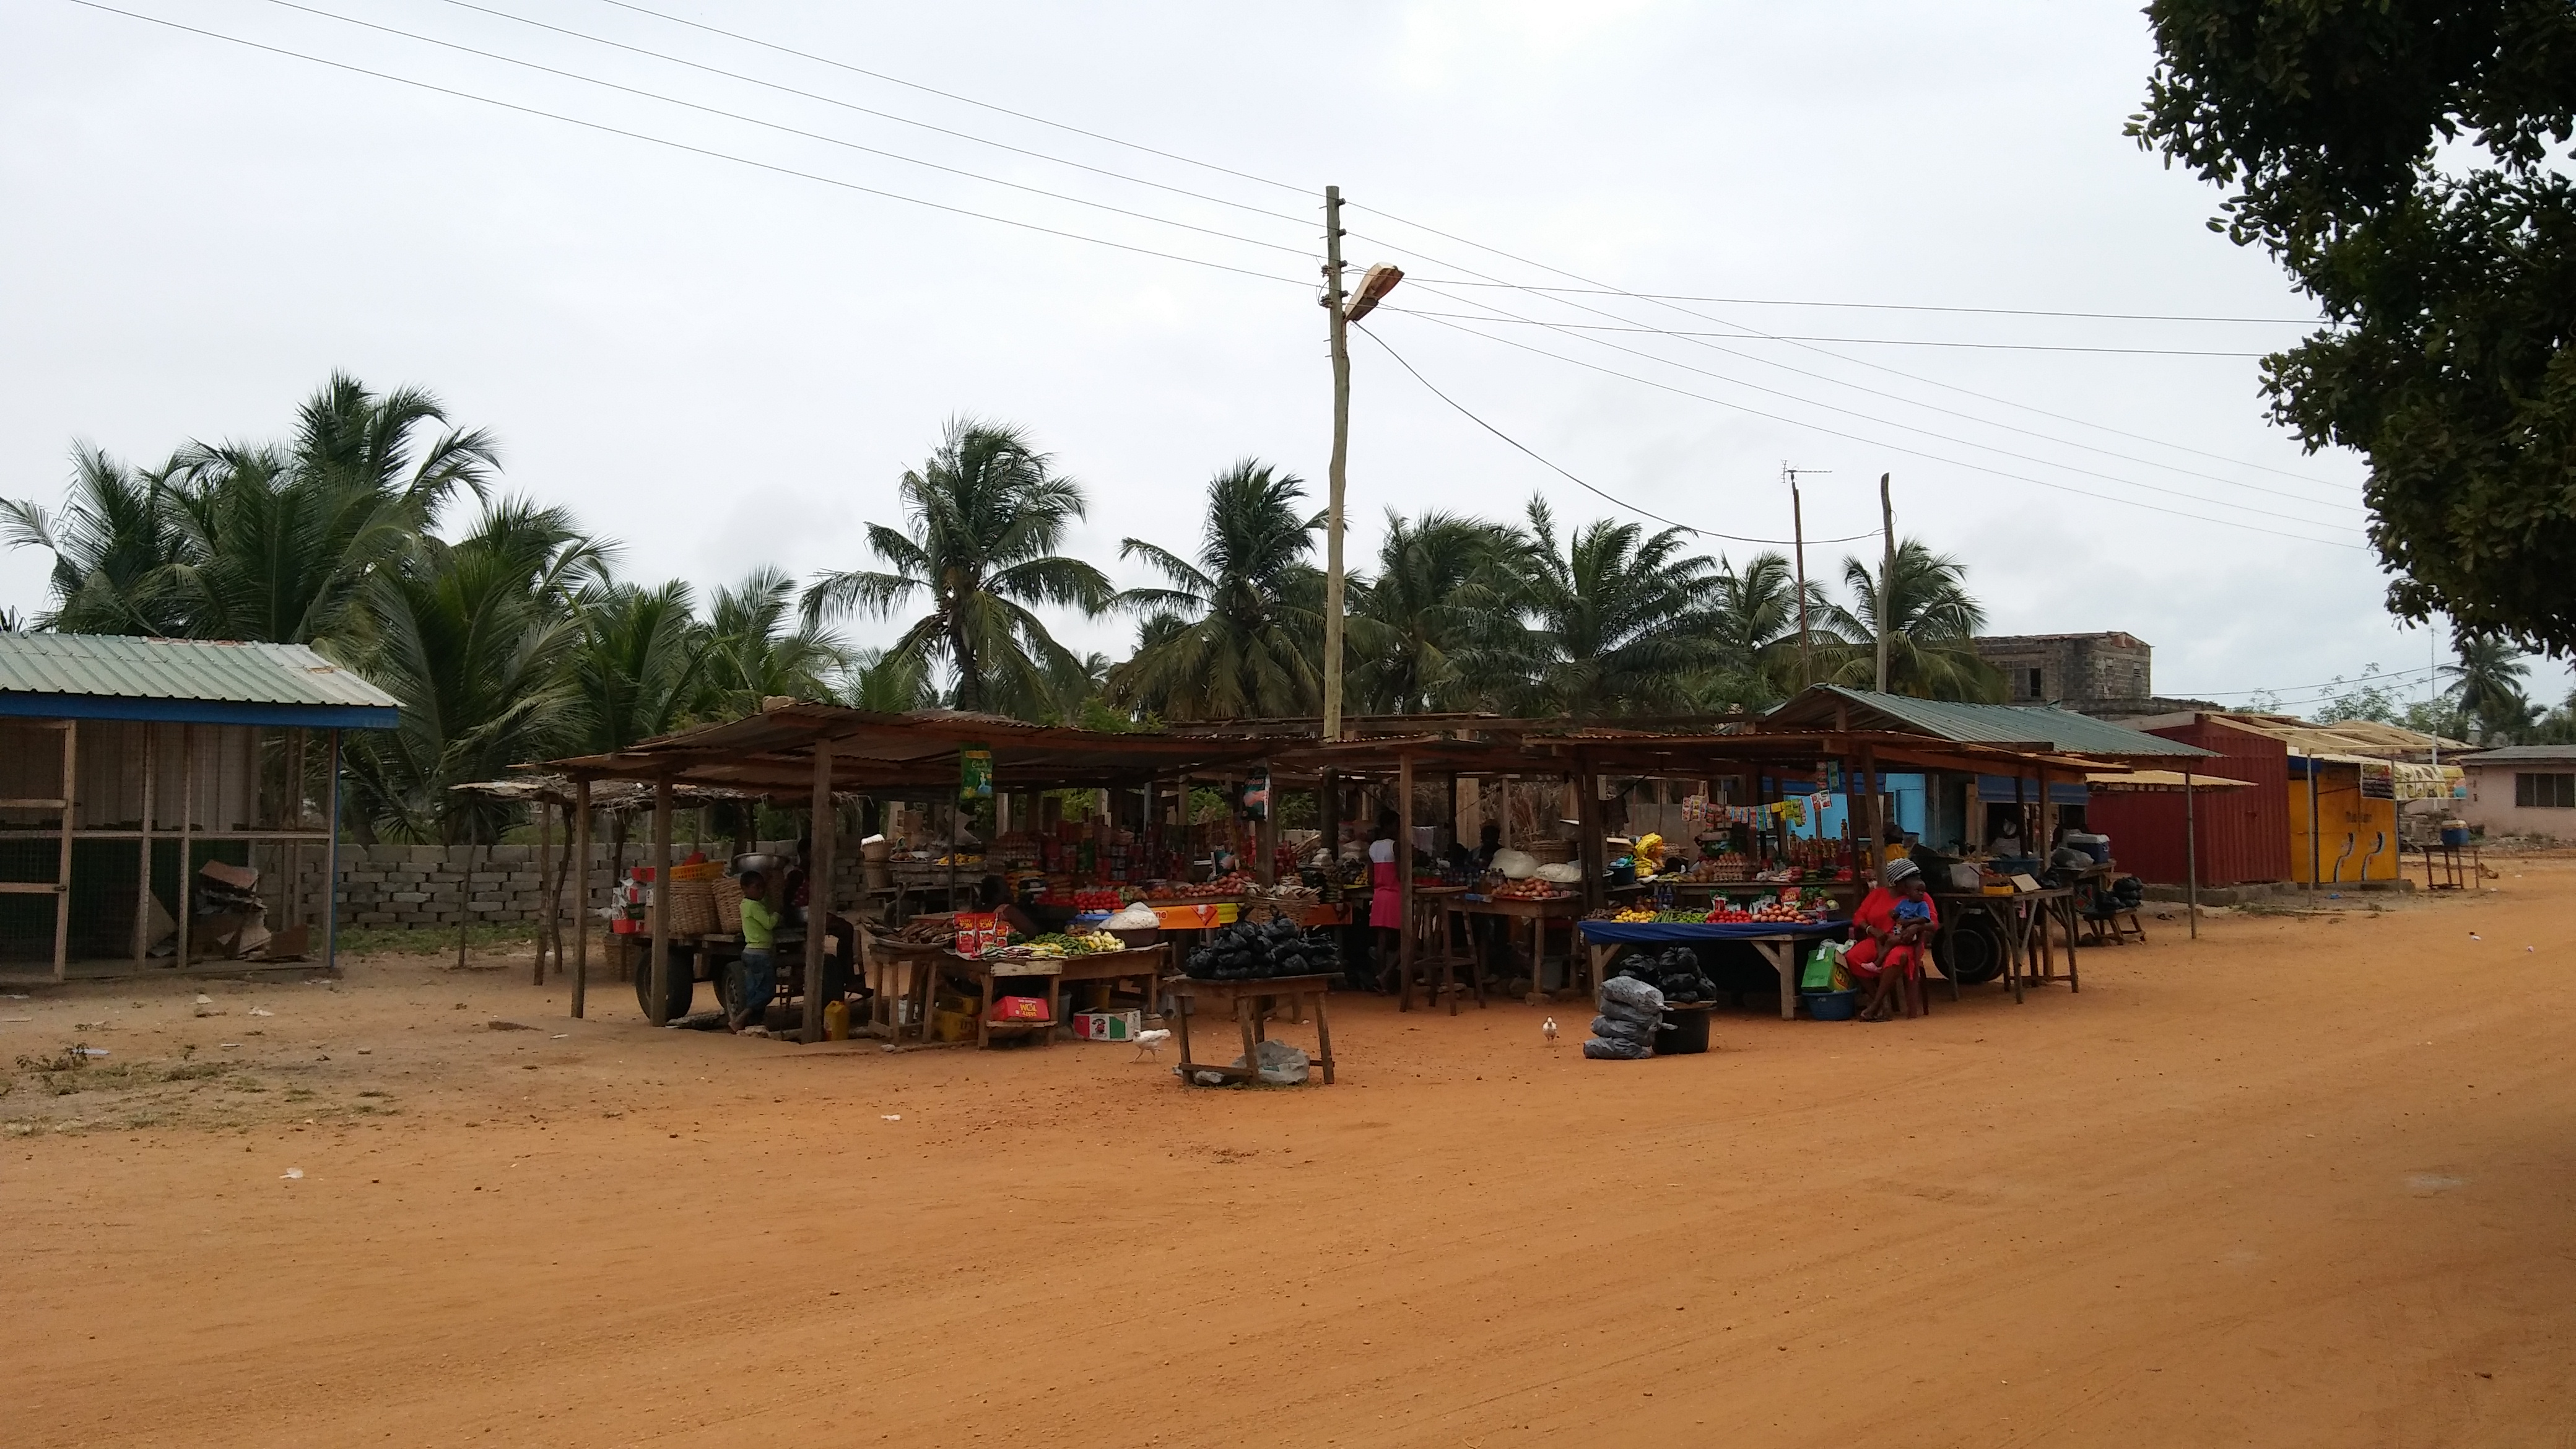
(1776, 940)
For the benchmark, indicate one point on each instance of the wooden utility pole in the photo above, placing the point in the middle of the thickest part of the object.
(1798, 534)
(1337, 473)
(1886, 579)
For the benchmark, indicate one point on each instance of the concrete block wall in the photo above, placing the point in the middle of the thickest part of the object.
(398, 886)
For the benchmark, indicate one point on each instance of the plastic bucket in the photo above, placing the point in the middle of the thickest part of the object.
(1832, 1005)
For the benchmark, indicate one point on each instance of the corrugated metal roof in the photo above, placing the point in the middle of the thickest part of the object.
(2521, 754)
(121, 666)
(1995, 724)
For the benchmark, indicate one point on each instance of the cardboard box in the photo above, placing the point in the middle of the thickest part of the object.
(1020, 1008)
(1108, 1025)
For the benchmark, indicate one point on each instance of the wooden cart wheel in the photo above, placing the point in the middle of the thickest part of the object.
(684, 990)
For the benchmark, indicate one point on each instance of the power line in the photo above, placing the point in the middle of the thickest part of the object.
(1893, 447)
(785, 129)
(1740, 336)
(1795, 340)
(1612, 497)
(1698, 340)
(684, 146)
(1926, 432)
(871, 111)
(952, 95)
(1860, 306)
(1667, 303)
(2410, 675)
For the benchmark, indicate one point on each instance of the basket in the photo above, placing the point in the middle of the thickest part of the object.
(1549, 852)
(693, 908)
(728, 901)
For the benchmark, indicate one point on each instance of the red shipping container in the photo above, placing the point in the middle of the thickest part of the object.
(2243, 835)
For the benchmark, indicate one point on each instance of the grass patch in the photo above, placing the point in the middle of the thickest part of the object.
(431, 940)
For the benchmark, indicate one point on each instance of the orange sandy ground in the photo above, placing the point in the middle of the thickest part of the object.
(2305, 1182)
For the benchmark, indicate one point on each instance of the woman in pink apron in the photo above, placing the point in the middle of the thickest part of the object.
(1386, 901)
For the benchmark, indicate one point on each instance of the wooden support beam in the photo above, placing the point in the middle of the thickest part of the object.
(545, 878)
(143, 875)
(580, 893)
(1404, 880)
(331, 865)
(63, 871)
(187, 830)
(818, 896)
(661, 923)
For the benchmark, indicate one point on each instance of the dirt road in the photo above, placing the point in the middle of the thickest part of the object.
(2304, 1183)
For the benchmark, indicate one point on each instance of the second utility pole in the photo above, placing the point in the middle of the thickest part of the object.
(1886, 580)
(1333, 306)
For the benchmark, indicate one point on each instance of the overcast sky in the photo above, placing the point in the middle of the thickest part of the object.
(723, 365)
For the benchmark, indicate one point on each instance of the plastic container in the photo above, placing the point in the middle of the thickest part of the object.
(1683, 1032)
(836, 1021)
(1832, 1005)
(2096, 846)
(2455, 837)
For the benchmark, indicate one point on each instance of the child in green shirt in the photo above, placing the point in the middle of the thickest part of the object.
(758, 968)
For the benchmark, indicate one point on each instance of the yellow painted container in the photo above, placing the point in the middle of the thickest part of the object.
(2355, 836)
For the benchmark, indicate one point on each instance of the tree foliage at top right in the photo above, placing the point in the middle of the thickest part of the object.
(2407, 162)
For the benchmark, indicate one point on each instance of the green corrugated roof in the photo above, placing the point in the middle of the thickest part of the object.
(1992, 724)
(131, 667)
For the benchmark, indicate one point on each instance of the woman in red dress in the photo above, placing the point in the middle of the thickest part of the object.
(1386, 900)
(1892, 929)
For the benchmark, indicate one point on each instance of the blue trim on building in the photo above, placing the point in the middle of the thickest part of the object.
(21, 705)
(1998, 790)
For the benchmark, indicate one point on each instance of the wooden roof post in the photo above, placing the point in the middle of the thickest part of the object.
(545, 876)
(818, 894)
(580, 893)
(1873, 848)
(63, 871)
(1588, 844)
(2190, 853)
(1404, 879)
(660, 1013)
(330, 866)
(143, 881)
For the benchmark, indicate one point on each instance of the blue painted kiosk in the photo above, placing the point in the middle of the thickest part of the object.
(135, 771)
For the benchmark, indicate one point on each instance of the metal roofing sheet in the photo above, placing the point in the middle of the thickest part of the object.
(1997, 724)
(2522, 754)
(133, 667)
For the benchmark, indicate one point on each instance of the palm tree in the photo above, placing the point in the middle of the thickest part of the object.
(886, 683)
(1754, 616)
(1441, 578)
(1934, 622)
(752, 655)
(635, 666)
(982, 521)
(2487, 685)
(1609, 622)
(282, 539)
(1236, 632)
(113, 545)
(469, 637)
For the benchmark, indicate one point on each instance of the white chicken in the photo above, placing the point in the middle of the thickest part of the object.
(1149, 1044)
(1547, 1031)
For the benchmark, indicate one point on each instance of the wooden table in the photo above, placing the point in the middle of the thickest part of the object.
(1250, 1003)
(926, 963)
(1778, 945)
(1145, 963)
(2024, 918)
(1538, 913)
